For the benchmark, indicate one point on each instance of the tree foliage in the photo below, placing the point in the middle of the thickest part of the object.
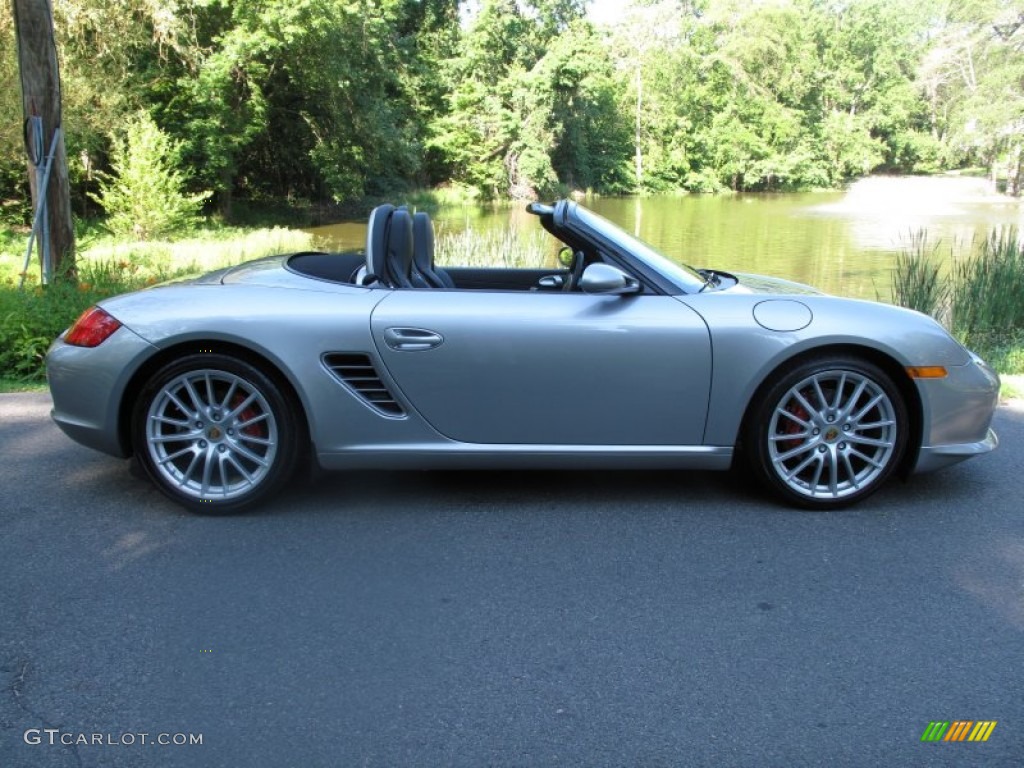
(341, 99)
(144, 194)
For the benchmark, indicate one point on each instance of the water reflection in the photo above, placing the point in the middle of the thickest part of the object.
(842, 242)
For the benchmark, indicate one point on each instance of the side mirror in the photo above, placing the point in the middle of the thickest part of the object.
(606, 279)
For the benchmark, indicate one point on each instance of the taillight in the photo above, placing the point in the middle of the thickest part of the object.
(92, 328)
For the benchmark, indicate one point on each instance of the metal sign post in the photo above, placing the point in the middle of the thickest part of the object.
(43, 164)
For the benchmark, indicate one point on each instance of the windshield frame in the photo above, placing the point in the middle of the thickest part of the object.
(685, 278)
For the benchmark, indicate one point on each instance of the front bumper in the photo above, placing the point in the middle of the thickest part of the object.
(958, 413)
(936, 457)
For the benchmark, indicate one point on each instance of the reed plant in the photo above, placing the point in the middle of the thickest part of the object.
(507, 248)
(987, 289)
(978, 297)
(917, 278)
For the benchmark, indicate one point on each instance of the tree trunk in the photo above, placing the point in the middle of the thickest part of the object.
(40, 94)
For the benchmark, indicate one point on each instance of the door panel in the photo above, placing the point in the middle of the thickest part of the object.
(550, 368)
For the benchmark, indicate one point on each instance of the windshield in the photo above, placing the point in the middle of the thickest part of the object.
(685, 277)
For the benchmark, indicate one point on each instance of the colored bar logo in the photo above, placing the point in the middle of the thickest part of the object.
(959, 730)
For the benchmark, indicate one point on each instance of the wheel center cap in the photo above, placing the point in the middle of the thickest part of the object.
(214, 433)
(831, 434)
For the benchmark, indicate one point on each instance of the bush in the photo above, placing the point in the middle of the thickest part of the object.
(30, 320)
(144, 197)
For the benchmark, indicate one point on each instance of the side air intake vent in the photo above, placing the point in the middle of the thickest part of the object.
(357, 372)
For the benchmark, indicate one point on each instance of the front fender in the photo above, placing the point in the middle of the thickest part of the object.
(745, 354)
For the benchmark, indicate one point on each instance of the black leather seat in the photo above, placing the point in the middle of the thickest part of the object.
(389, 248)
(377, 229)
(400, 249)
(423, 254)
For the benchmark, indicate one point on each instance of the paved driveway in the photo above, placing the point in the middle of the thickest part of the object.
(506, 619)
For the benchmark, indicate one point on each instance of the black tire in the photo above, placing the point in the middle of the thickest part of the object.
(215, 434)
(828, 433)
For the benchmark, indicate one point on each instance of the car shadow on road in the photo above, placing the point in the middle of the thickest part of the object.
(524, 490)
(641, 489)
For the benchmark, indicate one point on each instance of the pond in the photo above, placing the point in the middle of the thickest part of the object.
(843, 242)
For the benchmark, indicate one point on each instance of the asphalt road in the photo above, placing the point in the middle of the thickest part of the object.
(505, 619)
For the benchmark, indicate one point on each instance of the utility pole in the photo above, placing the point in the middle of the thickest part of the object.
(40, 98)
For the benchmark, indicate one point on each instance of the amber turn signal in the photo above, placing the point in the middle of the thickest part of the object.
(926, 371)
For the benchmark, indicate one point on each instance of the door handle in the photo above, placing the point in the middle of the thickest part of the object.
(411, 339)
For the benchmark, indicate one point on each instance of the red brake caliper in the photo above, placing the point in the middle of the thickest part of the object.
(792, 427)
(253, 430)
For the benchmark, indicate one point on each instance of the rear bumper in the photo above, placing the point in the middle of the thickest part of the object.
(88, 386)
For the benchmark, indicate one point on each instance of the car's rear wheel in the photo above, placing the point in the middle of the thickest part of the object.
(215, 433)
(828, 433)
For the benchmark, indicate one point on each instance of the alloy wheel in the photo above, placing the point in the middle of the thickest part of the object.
(211, 435)
(832, 435)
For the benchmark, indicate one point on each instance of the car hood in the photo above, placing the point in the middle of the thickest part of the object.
(747, 283)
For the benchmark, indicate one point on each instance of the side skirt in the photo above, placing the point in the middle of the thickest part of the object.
(476, 456)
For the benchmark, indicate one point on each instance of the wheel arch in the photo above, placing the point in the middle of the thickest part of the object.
(892, 367)
(157, 361)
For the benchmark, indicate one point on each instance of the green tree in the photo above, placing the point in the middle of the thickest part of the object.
(591, 140)
(14, 193)
(144, 196)
(973, 79)
(494, 134)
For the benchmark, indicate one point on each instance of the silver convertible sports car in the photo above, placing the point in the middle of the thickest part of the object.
(615, 357)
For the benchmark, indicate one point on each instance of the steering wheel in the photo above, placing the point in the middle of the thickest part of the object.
(575, 272)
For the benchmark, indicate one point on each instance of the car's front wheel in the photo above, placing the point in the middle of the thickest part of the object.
(215, 433)
(828, 433)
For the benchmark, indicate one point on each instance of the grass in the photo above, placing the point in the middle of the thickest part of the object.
(195, 252)
(8, 384)
(450, 195)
